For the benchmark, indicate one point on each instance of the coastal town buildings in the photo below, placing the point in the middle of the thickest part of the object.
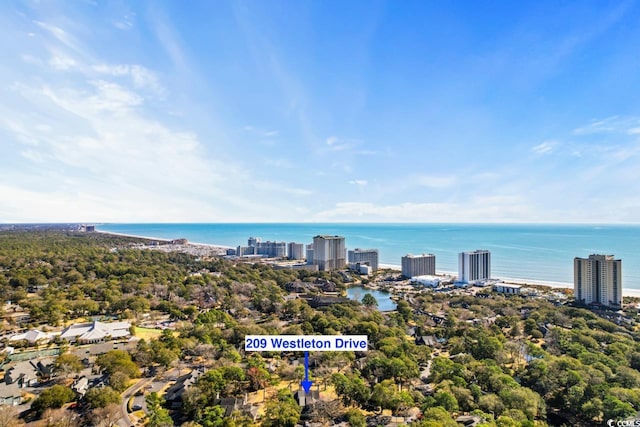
(268, 249)
(295, 250)
(329, 252)
(418, 265)
(364, 256)
(243, 251)
(271, 249)
(598, 279)
(508, 288)
(427, 280)
(310, 253)
(474, 267)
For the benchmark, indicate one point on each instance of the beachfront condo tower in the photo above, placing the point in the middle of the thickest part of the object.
(418, 265)
(474, 267)
(295, 250)
(329, 252)
(364, 256)
(598, 279)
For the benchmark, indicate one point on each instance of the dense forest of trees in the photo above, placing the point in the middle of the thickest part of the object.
(510, 361)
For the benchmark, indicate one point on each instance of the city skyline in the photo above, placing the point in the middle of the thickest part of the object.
(285, 111)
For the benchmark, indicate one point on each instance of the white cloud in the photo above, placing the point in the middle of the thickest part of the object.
(335, 143)
(613, 124)
(279, 163)
(546, 147)
(59, 34)
(360, 182)
(30, 59)
(261, 133)
(62, 62)
(142, 77)
(491, 209)
(126, 22)
(433, 181)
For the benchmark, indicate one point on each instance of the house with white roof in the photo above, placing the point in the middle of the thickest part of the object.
(32, 336)
(96, 331)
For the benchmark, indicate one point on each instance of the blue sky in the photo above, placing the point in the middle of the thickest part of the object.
(167, 111)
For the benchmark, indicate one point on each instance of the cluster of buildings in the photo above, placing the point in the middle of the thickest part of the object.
(82, 333)
(597, 279)
(257, 248)
(326, 252)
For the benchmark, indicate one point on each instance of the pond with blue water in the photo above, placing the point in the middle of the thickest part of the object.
(385, 303)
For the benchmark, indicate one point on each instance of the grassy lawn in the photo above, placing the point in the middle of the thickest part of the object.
(147, 333)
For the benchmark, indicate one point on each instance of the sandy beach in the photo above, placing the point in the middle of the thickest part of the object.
(193, 248)
(555, 285)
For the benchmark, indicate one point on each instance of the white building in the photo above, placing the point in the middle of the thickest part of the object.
(364, 256)
(96, 331)
(418, 265)
(506, 288)
(427, 280)
(363, 269)
(598, 279)
(329, 252)
(33, 336)
(295, 250)
(271, 249)
(474, 266)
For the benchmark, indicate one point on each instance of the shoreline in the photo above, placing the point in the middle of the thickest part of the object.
(626, 292)
(162, 239)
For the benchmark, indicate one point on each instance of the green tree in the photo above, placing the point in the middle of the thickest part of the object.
(53, 397)
(118, 360)
(66, 364)
(99, 397)
(369, 300)
(446, 400)
(351, 388)
(355, 418)
(384, 394)
(158, 416)
(436, 417)
(212, 416)
(614, 408)
(282, 412)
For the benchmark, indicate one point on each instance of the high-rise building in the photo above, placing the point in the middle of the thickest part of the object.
(418, 265)
(242, 251)
(310, 253)
(329, 252)
(272, 249)
(295, 250)
(364, 256)
(474, 266)
(253, 242)
(598, 279)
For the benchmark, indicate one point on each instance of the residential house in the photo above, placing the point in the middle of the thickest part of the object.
(173, 395)
(25, 374)
(10, 394)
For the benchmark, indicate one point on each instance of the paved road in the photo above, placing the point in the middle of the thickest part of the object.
(124, 420)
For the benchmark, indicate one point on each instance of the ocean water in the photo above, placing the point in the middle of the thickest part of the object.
(529, 252)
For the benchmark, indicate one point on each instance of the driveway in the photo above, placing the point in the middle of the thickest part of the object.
(124, 420)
